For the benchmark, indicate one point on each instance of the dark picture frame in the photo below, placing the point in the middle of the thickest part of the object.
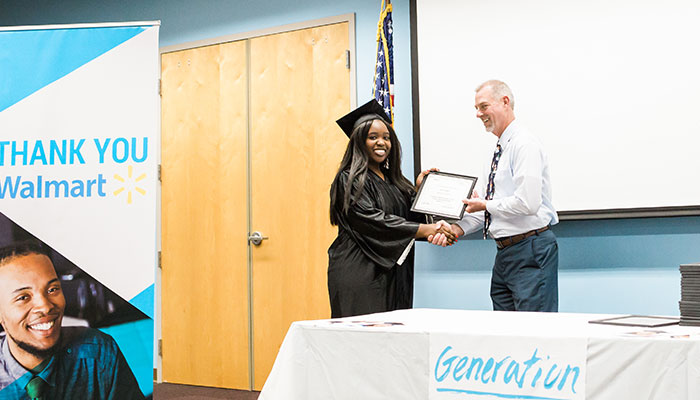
(441, 194)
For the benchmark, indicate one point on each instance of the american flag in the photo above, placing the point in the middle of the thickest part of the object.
(383, 88)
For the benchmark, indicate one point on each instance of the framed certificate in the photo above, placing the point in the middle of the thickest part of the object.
(441, 194)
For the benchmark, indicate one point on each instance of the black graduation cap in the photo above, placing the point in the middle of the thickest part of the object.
(370, 110)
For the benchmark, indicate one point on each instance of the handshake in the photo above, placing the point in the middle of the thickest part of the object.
(440, 233)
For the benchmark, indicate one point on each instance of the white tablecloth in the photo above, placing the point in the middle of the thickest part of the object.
(350, 360)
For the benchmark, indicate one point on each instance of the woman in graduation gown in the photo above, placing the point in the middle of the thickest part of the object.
(371, 261)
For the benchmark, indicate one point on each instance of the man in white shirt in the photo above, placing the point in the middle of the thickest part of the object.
(516, 209)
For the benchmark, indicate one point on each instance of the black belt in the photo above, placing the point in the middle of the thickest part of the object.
(511, 240)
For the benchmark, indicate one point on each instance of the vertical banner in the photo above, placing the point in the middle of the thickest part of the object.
(79, 154)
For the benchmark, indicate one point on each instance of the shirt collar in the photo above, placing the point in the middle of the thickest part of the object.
(10, 367)
(47, 373)
(508, 134)
(20, 374)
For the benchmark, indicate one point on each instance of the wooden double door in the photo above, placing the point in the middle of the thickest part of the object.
(249, 143)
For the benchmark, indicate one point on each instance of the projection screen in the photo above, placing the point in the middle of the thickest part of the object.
(610, 88)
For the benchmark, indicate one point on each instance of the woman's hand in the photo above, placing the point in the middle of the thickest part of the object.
(421, 176)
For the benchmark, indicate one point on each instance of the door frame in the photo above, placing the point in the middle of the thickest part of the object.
(352, 61)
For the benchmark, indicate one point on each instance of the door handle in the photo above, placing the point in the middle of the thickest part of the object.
(256, 238)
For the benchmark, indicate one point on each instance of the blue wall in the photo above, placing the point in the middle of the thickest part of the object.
(606, 266)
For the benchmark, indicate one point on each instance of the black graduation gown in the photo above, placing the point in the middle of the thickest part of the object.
(363, 276)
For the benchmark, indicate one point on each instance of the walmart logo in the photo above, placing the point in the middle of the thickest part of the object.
(129, 184)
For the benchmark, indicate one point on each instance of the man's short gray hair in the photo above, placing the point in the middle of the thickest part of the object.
(500, 89)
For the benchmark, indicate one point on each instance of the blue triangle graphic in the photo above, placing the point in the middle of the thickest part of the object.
(135, 340)
(145, 300)
(32, 59)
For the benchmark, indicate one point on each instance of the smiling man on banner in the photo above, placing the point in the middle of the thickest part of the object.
(40, 359)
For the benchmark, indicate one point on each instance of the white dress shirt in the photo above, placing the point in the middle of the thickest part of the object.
(522, 198)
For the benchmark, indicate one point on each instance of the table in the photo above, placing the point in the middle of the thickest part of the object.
(361, 358)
